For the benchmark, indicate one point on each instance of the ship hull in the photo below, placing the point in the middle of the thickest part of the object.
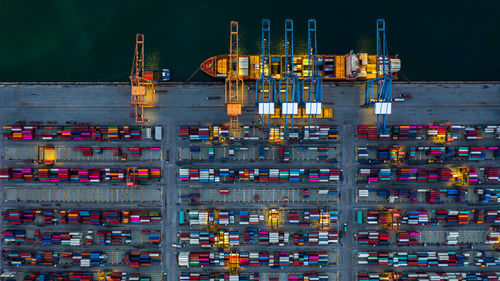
(359, 66)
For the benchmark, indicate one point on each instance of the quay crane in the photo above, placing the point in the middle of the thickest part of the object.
(378, 91)
(288, 85)
(141, 88)
(311, 90)
(234, 84)
(266, 84)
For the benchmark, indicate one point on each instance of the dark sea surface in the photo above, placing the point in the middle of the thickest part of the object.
(94, 40)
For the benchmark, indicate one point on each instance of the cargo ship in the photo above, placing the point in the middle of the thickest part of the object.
(353, 66)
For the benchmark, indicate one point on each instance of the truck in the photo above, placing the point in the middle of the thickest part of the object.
(148, 133)
(158, 133)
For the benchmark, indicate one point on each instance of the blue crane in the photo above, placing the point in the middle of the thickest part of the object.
(288, 85)
(311, 88)
(378, 91)
(266, 84)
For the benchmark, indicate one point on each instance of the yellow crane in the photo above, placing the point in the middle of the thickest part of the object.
(324, 220)
(273, 218)
(46, 154)
(103, 275)
(141, 88)
(234, 262)
(396, 154)
(460, 176)
(234, 84)
(213, 216)
(222, 239)
(392, 276)
(390, 218)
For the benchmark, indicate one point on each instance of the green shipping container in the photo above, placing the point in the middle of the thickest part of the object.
(359, 217)
(181, 217)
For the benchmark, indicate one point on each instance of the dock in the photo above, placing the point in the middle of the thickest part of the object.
(188, 104)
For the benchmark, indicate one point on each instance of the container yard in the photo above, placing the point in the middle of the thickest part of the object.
(274, 175)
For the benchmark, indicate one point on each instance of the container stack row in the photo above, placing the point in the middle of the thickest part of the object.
(58, 132)
(259, 175)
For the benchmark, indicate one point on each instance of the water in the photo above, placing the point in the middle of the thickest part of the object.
(94, 40)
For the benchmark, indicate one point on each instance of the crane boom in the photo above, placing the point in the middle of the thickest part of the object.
(234, 84)
(378, 91)
(266, 84)
(312, 86)
(288, 85)
(140, 87)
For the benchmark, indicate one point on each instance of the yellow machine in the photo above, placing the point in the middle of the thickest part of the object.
(390, 218)
(442, 135)
(396, 155)
(324, 220)
(273, 218)
(142, 89)
(216, 136)
(103, 275)
(46, 155)
(234, 84)
(213, 217)
(234, 262)
(392, 276)
(460, 176)
(439, 138)
(496, 245)
(222, 239)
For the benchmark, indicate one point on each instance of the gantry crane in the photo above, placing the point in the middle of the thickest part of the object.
(392, 276)
(460, 176)
(496, 244)
(222, 239)
(266, 84)
(378, 91)
(273, 218)
(132, 176)
(141, 88)
(213, 219)
(324, 220)
(234, 262)
(288, 85)
(234, 83)
(46, 155)
(312, 86)
(391, 219)
(103, 276)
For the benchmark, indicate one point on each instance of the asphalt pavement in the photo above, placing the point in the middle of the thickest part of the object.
(187, 104)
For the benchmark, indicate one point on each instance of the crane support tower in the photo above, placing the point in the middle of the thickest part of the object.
(266, 84)
(141, 88)
(312, 87)
(288, 85)
(378, 91)
(234, 83)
